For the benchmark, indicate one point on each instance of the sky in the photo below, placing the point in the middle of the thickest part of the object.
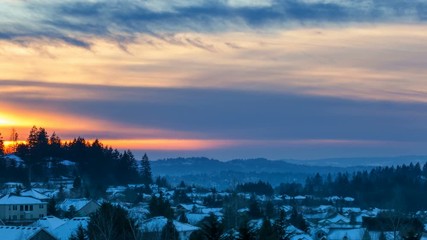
(224, 79)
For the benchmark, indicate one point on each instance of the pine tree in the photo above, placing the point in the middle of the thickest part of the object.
(51, 207)
(366, 235)
(246, 232)
(1, 146)
(183, 218)
(254, 208)
(280, 225)
(269, 210)
(212, 229)
(112, 222)
(80, 234)
(169, 231)
(266, 231)
(146, 173)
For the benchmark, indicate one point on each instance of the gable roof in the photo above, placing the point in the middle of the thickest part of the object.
(65, 231)
(78, 203)
(14, 199)
(156, 224)
(20, 233)
(49, 222)
(34, 194)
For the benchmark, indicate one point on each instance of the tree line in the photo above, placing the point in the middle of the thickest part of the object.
(96, 164)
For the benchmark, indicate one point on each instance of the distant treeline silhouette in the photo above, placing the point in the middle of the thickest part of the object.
(99, 166)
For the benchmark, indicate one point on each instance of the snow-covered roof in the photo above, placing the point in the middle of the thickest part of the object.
(14, 199)
(17, 159)
(78, 203)
(156, 224)
(190, 207)
(18, 233)
(64, 231)
(194, 218)
(49, 222)
(67, 163)
(336, 219)
(352, 234)
(35, 194)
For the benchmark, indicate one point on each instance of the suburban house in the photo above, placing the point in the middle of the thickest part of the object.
(62, 229)
(83, 207)
(25, 233)
(21, 209)
(152, 228)
(35, 194)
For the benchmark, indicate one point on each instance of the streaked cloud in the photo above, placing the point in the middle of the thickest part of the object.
(223, 77)
(78, 22)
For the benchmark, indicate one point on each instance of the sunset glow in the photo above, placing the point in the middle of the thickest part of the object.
(253, 75)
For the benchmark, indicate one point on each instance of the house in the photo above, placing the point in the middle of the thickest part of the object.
(83, 207)
(194, 208)
(25, 233)
(61, 229)
(49, 223)
(152, 228)
(64, 231)
(337, 221)
(21, 209)
(35, 194)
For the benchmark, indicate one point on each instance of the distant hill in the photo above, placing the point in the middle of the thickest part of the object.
(222, 174)
(213, 172)
(362, 161)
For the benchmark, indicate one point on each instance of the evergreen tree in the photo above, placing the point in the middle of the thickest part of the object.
(266, 231)
(269, 210)
(246, 232)
(169, 231)
(112, 222)
(183, 218)
(382, 236)
(366, 235)
(51, 207)
(159, 206)
(298, 221)
(146, 174)
(80, 234)
(212, 229)
(1, 146)
(280, 225)
(71, 212)
(254, 208)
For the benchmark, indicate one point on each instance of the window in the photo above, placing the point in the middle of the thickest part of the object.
(21, 207)
(10, 208)
(41, 215)
(31, 207)
(15, 207)
(26, 207)
(41, 206)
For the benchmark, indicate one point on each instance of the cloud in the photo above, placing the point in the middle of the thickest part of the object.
(77, 22)
(231, 114)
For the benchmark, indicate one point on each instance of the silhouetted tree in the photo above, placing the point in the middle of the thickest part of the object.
(51, 207)
(169, 231)
(112, 222)
(80, 234)
(212, 229)
(146, 174)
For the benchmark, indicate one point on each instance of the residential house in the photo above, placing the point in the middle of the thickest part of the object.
(21, 209)
(83, 207)
(25, 233)
(152, 228)
(62, 229)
